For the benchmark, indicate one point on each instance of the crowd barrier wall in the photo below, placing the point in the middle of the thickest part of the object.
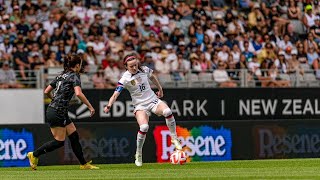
(211, 104)
(21, 106)
(114, 142)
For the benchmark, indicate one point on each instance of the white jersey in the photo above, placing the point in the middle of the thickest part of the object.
(138, 86)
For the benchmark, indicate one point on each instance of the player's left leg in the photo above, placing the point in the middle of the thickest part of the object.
(77, 148)
(163, 110)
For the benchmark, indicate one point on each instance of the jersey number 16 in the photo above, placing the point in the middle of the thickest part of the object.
(142, 87)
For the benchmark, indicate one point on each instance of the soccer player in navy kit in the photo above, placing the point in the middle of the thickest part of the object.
(65, 86)
(145, 101)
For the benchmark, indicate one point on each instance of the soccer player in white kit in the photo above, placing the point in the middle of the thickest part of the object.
(145, 101)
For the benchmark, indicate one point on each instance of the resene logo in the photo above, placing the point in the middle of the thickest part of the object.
(14, 147)
(202, 143)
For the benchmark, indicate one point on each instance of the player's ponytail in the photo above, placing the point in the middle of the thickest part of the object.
(70, 61)
(66, 63)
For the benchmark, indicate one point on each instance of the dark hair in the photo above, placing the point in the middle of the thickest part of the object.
(131, 57)
(70, 61)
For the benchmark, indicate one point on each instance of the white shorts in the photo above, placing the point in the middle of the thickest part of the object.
(149, 107)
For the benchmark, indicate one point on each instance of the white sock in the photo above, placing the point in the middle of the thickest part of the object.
(171, 123)
(141, 137)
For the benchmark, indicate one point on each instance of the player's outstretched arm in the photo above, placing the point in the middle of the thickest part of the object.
(112, 99)
(83, 98)
(155, 81)
(47, 91)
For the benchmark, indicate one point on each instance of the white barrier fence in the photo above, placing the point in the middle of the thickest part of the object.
(21, 106)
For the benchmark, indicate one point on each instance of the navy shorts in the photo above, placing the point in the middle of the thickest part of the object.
(57, 118)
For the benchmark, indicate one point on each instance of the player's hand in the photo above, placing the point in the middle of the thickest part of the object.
(92, 111)
(160, 94)
(106, 109)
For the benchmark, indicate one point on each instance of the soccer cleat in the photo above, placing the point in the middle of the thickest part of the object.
(33, 161)
(176, 143)
(138, 160)
(88, 165)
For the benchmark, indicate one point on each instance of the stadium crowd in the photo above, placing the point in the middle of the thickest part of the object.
(173, 37)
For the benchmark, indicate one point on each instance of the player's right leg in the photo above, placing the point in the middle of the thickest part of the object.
(58, 130)
(59, 134)
(142, 119)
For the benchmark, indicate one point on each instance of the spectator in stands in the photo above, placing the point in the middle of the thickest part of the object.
(177, 34)
(254, 66)
(51, 61)
(224, 53)
(294, 64)
(190, 27)
(242, 64)
(184, 10)
(50, 24)
(313, 58)
(294, 37)
(235, 52)
(221, 76)
(294, 12)
(308, 18)
(256, 18)
(204, 63)
(6, 49)
(147, 61)
(275, 80)
(163, 18)
(267, 53)
(15, 16)
(195, 63)
(7, 26)
(36, 62)
(315, 30)
(91, 57)
(8, 77)
(112, 72)
(21, 62)
(231, 40)
(213, 31)
(184, 66)
(217, 43)
(161, 66)
(99, 81)
(302, 55)
(310, 42)
(43, 14)
(61, 53)
(172, 58)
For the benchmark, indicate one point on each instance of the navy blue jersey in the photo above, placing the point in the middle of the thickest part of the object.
(64, 90)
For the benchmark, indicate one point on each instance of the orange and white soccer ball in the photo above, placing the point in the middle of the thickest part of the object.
(178, 157)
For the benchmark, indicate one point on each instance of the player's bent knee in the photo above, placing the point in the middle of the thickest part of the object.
(144, 127)
(167, 112)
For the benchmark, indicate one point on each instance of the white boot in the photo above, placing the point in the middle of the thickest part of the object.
(138, 160)
(176, 143)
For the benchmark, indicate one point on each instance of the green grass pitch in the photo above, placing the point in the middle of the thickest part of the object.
(252, 169)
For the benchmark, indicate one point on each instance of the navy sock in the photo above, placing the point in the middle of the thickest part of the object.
(76, 147)
(48, 147)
